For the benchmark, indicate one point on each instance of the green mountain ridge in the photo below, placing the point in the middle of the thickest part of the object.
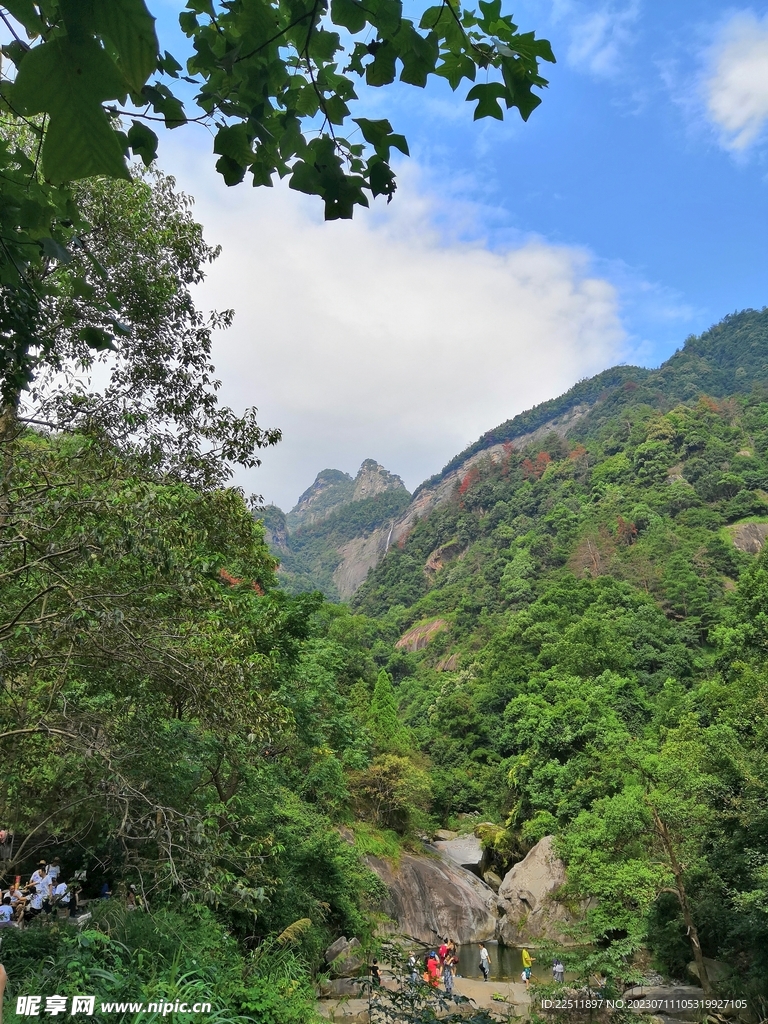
(315, 540)
(720, 362)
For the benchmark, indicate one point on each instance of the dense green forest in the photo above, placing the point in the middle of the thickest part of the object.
(608, 626)
(171, 718)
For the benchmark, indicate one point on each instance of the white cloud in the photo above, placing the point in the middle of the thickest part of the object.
(378, 338)
(598, 40)
(736, 86)
(599, 34)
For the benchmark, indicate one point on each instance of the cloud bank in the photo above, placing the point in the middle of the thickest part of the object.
(379, 338)
(736, 86)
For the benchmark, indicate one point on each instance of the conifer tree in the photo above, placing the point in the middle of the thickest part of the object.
(384, 721)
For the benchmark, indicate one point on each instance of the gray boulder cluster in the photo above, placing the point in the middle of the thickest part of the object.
(449, 891)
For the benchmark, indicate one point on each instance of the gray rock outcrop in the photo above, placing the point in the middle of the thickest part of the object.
(429, 899)
(528, 911)
(492, 879)
(749, 537)
(667, 1000)
(464, 851)
(343, 957)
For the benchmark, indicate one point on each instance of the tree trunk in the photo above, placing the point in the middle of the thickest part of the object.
(677, 871)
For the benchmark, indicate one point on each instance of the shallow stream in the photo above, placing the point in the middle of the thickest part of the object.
(506, 963)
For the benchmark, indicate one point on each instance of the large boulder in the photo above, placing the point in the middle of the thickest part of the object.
(343, 957)
(529, 914)
(679, 1001)
(716, 969)
(429, 899)
(463, 851)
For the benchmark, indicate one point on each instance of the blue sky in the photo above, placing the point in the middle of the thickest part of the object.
(644, 170)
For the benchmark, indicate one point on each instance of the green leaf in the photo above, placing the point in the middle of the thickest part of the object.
(24, 11)
(380, 135)
(60, 73)
(232, 141)
(381, 178)
(232, 171)
(455, 67)
(169, 65)
(305, 178)
(98, 339)
(385, 15)
(164, 102)
(131, 29)
(69, 81)
(381, 70)
(488, 96)
(418, 54)
(142, 141)
(323, 45)
(350, 14)
(491, 12)
(55, 250)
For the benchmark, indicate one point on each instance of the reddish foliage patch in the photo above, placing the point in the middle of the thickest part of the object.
(534, 470)
(233, 581)
(625, 531)
(472, 477)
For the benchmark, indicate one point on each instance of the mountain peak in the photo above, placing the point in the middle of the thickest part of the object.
(372, 478)
(333, 488)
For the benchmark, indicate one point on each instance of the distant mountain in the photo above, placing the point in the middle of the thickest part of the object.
(324, 542)
(323, 550)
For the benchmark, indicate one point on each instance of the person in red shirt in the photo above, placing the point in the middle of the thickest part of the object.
(433, 970)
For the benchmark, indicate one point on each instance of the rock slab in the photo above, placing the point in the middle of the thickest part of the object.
(343, 957)
(463, 851)
(429, 900)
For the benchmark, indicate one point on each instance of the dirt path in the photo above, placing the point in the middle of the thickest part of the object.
(510, 995)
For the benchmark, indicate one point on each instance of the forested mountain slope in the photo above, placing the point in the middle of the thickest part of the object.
(605, 444)
(569, 643)
(582, 632)
(731, 357)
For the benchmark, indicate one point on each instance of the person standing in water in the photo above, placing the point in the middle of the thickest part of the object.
(485, 962)
(528, 962)
(448, 976)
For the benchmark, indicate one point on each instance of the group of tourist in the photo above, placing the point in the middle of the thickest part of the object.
(442, 964)
(439, 965)
(44, 893)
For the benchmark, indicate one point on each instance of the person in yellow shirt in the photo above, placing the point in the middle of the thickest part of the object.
(528, 962)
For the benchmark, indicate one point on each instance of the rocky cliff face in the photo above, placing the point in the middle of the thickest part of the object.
(331, 538)
(429, 900)
(431, 896)
(373, 479)
(275, 529)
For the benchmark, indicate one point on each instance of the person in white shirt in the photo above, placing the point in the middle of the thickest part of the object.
(39, 874)
(35, 904)
(60, 895)
(6, 912)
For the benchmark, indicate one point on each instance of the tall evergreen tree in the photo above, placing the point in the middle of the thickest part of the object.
(384, 721)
